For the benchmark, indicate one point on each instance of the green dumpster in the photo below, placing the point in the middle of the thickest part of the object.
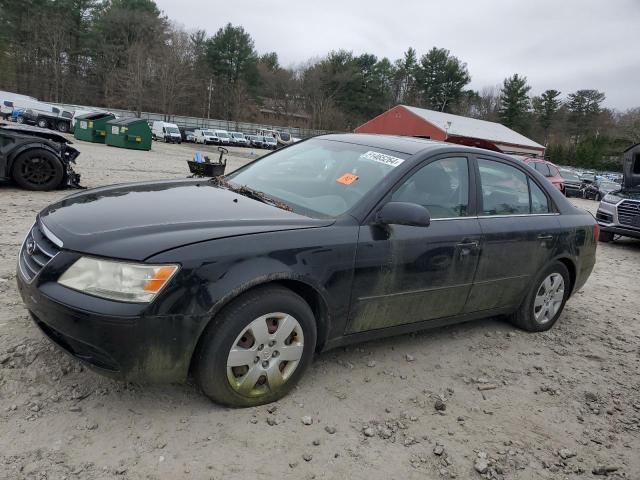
(92, 127)
(132, 133)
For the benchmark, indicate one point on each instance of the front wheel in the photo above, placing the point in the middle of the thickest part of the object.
(38, 169)
(545, 301)
(257, 349)
(42, 123)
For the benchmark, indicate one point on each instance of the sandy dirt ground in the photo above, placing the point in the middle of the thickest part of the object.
(477, 400)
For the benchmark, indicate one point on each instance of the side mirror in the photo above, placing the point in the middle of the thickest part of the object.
(403, 213)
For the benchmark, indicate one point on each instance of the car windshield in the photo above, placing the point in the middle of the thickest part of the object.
(208, 132)
(270, 139)
(172, 130)
(609, 186)
(569, 176)
(285, 136)
(223, 134)
(238, 135)
(318, 177)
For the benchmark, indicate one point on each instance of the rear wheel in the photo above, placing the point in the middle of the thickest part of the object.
(257, 349)
(545, 301)
(20, 119)
(38, 169)
(63, 127)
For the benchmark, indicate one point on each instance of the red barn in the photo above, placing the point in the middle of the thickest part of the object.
(420, 122)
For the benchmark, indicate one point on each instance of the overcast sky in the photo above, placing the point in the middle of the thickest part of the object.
(562, 44)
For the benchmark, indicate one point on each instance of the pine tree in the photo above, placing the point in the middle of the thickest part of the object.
(514, 102)
(546, 108)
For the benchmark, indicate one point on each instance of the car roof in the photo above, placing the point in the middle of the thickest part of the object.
(408, 145)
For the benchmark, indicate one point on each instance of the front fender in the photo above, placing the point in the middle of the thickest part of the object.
(20, 149)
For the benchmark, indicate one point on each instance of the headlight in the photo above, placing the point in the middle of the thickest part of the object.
(611, 198)
(126, 282)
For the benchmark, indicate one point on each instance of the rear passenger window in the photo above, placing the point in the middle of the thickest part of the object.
(539, 201)
(543, 168)
(505, 189)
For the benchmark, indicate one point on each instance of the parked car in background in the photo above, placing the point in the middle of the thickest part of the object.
(598, 189)
(270, 142)
(205, 136)
(588, 177)
(619, 210)
(282, 138)
(334, 240)
(238, 139)
(548, 170)
(223, 137)
(168, 132)
(255, 141)
(572, 183)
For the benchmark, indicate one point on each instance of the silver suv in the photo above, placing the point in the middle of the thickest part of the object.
(619, 211)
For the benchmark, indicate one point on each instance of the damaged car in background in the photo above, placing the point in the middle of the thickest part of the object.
(332, 240)
(619, 210)
(37, 159)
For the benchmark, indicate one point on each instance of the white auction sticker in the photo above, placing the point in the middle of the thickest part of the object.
(382, 158)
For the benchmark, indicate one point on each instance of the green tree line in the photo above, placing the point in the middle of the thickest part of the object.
(128, 54)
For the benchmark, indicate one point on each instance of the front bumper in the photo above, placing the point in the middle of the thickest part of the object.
(607, 217)
(115, 339)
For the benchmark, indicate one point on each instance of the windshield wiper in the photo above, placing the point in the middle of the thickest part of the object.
(250, 193)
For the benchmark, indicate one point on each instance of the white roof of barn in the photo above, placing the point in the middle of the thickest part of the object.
(472, 127)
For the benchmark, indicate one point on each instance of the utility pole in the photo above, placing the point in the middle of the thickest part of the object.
(209, 104)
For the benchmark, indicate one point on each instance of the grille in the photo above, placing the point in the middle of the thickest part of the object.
(37, 250)
(629, 214)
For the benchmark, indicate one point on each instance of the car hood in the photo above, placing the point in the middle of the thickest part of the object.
(136, 221)
(629, 193)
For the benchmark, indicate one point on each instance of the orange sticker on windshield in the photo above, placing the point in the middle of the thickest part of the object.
(347, 179)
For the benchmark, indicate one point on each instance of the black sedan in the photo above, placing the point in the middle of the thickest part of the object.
(333, 240)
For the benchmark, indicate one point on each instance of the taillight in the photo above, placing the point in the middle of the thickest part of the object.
(596, 232)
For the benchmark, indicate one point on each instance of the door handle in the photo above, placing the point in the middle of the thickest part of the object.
(543, 237)
(467, 247)
(471, 244)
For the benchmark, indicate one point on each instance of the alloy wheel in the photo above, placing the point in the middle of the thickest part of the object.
(265, 355)
(549, 298)
(38, 170)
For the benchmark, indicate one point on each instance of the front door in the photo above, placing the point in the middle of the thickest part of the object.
(406, 274)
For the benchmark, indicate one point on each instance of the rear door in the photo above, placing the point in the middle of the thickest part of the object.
(519, 230)
(405, 274)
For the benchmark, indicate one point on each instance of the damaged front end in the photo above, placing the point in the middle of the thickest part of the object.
(68, 155)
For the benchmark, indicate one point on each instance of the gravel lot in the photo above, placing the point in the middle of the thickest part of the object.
(478, 400)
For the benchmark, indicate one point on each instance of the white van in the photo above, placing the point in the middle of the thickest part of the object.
(223, 135)
(205, 136)
(169, 132)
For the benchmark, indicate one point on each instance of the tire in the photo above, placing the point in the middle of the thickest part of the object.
(606, 237)
(63, 127)
(154, 138)
(20, 120)
(42, 123)
(234, 327)
(533, 317)
(38, 169)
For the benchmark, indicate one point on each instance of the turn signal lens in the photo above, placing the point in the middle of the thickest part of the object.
(160, 277)
(596, 232)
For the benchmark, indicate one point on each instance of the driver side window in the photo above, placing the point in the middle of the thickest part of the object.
(441, 186)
